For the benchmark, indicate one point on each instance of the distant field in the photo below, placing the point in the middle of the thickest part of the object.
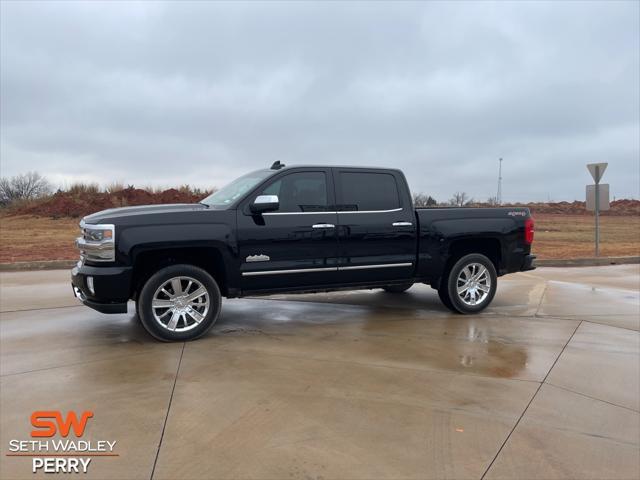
(572, 236)
(26, 238)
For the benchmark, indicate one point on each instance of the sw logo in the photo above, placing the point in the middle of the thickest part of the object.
(47, 428)
(49, 422)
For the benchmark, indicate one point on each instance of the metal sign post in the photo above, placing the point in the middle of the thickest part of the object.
(597, 170)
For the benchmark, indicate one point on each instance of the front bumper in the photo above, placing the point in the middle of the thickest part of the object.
(528, 263)
(111, 287)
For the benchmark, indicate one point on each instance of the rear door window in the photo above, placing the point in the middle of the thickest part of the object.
(360, 191)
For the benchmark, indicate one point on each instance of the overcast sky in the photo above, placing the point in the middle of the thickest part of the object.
(175, 92)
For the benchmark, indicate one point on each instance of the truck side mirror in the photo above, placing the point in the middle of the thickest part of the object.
(265, 203)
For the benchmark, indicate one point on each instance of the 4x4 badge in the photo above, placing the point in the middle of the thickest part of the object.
(257, 258)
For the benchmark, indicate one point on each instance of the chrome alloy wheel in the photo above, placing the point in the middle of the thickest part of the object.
(180, 304)
(473, 284)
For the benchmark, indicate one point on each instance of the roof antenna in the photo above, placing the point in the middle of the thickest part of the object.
(277, 165)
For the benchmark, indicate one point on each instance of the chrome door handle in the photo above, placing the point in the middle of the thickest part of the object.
(323, 225)
(402, 224)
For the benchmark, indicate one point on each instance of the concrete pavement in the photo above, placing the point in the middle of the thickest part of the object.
(543, 384)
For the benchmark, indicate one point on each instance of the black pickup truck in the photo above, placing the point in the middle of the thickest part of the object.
(293, 229)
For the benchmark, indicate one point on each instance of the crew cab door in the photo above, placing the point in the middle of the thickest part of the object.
(295, 246)
(377, 238)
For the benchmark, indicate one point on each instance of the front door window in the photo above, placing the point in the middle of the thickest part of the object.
(300, 192)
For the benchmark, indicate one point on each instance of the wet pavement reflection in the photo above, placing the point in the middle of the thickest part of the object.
(543, 384)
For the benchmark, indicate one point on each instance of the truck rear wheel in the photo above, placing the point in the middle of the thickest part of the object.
(471, 283)
(179, 303)
(397, 288)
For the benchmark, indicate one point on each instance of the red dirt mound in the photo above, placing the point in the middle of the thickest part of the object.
(79, 204)
(619, 208)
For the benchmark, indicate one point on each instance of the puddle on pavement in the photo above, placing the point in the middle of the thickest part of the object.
(412, 338)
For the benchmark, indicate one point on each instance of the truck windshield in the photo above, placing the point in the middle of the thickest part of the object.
(234, 190)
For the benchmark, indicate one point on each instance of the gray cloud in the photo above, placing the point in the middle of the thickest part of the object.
(177, 92)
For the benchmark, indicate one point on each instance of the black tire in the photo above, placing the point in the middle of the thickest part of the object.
(161, 277)
(397, 288)
(443, 293)
(452, 282)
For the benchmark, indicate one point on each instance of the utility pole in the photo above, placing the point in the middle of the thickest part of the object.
(499, 195)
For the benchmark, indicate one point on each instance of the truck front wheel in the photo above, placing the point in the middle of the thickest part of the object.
(179, 303)
(471, 283)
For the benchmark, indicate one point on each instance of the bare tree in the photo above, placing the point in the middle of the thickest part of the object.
(27, 186)
(493, 201)
(460, 199)
(423, 200)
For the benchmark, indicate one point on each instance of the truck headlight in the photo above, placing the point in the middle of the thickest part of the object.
(97, 234)
(97, 242)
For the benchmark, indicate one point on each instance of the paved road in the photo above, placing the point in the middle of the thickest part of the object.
(544, 384)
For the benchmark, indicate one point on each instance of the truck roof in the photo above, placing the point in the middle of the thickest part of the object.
(354, 167)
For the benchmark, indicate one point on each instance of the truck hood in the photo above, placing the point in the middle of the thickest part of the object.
(112, 215)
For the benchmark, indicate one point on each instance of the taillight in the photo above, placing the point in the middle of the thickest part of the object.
(528, 231)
